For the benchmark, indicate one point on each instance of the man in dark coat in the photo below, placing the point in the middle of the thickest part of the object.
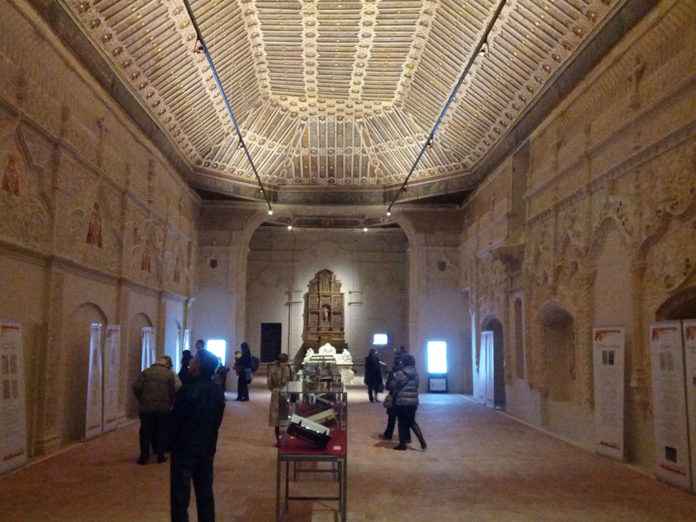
(196, 418)
(373, 375)
(154, 390)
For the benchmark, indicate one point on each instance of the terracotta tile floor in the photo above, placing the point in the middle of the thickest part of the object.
(480, 466)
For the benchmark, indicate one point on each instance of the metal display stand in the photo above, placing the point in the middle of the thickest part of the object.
(292, 452)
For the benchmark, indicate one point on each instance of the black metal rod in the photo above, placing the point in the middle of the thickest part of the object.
(228, 105)
(449, 101)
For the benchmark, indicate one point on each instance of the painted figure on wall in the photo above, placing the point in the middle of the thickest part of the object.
(177, 270)
(10, 178)
(146, 261)
(94, 230)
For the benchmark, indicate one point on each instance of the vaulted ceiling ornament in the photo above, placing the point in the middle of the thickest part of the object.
(337, 93)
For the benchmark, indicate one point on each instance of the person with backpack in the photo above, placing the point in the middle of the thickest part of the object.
(244, 368)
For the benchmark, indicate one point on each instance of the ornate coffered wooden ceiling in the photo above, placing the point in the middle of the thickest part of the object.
(338, 94)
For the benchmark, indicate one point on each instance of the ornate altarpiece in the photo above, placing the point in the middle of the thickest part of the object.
(323, 313)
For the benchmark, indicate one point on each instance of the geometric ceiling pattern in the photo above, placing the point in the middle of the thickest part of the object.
(337, 92)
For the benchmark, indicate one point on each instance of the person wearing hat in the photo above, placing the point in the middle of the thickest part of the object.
(154, 389)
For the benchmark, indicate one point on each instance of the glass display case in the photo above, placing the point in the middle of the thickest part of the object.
(316, 432)
(318, 413)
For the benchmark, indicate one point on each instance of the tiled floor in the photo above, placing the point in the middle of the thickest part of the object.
(480, 466)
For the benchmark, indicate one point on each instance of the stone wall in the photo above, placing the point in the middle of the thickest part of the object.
(602, 232)
(94, 224)
(372, 268)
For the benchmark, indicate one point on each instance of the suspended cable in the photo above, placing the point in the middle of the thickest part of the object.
(481, 48)
(228, 105)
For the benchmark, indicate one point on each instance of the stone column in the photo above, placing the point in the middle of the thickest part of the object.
(122, 319)
(295, 304)
(161, 325)
(584, 353)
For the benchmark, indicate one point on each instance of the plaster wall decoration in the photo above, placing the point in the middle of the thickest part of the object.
(668, 187)
(672, 261)
(26, 212)
(619, 207)
(492, 282)
(573, 237)
(539, 254)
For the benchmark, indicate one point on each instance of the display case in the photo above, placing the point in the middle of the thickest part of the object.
(316, 433)
(321, 412)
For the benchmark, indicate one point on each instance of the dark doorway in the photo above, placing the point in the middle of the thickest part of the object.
(271, 341)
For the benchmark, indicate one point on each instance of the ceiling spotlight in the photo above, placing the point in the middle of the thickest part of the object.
(388, 213)
(364, 229)
(270, 211)
(289, 227)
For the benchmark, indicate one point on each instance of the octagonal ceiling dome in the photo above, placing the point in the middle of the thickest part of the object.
(337, 92)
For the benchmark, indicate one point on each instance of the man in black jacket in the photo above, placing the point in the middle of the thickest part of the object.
(196, 418)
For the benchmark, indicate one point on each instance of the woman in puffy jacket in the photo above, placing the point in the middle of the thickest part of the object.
(404, 390)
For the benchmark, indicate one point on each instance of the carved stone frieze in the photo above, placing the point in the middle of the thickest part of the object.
(539, 255)
(672, 261)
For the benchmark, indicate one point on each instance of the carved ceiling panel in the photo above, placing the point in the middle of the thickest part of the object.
(337, 92)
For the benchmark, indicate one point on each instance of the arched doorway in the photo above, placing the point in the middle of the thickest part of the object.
(493, 350)
(78, 334)
(679, 306)
(135, 353)
(558, 340)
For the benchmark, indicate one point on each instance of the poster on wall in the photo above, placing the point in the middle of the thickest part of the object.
(94, 413)
(689, 328)
(609, 381)
(13, 428)
(148, 348)
(112, 371)
(669, 403)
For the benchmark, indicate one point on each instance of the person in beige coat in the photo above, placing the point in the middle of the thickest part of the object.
(279, 374)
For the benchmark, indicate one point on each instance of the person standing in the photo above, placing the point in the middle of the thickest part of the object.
(389, 400)
(279, 374)
(154, 389)
(185, 362)
(196, 418)
(244, 372)
(404, 389)
(373, 375)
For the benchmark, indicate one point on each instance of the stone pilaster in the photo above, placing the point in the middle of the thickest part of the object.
(639, 364)
(50, 364)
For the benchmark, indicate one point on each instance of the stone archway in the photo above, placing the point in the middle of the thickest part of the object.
(680, 306)
(558, 341)
(134, 358)
(77, 341)
(492, 324)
